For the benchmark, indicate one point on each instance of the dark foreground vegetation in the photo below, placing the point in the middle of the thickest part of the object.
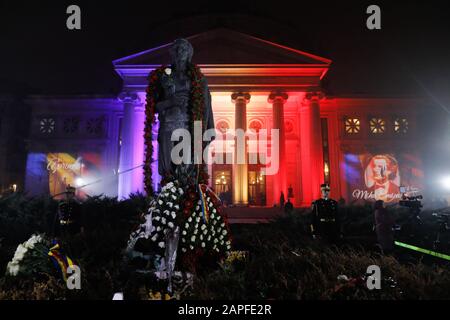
(281, 261)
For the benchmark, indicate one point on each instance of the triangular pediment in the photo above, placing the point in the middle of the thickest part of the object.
(224, 46)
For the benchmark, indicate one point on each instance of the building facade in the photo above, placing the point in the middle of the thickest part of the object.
(364, 147)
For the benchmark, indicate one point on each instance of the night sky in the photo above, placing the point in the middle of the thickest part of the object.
(39, 55)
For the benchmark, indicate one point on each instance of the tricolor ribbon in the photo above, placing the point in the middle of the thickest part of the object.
(212, 193)
(61, 261)
(205, 209)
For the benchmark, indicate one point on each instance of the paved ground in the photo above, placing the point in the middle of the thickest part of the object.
(251, 214)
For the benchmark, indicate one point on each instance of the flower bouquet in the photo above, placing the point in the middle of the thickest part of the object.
(38, 256)
(30, 258)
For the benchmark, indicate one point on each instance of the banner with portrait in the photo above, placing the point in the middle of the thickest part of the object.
(380, 176)
(52, 172)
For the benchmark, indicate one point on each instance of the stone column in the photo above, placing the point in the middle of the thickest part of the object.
(132, 145)
(278, 99)
(240, 171)
(312, 151)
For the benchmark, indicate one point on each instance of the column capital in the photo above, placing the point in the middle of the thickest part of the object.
(129, 97)
(236, 96)
(277, 96)
(314, 96)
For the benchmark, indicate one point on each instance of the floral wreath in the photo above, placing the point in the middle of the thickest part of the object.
(197, 110)
(191, 214)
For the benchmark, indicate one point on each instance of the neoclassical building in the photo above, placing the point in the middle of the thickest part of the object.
(360, 145)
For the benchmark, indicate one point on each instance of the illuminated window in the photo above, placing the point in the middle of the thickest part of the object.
(326, 169)
(352, 125)
(222, 182)
(377, 125)
(401, 125)
(47, 125)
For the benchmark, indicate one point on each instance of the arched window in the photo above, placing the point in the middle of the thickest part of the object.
(288, 126)
(222, 126)
(255, 125)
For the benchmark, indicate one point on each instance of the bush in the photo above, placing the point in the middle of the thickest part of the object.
(98, 250)
(285, 264)
(282, 262)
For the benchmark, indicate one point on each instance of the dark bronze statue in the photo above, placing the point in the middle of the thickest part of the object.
(174, 107)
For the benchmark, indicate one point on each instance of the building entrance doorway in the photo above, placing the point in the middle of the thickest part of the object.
(222, 180)
(256, 187)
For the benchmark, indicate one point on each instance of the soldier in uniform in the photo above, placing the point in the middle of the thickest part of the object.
(69, 214)
(325, 217)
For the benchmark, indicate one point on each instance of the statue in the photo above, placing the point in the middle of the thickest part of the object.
(174, 103)
(185, 221)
